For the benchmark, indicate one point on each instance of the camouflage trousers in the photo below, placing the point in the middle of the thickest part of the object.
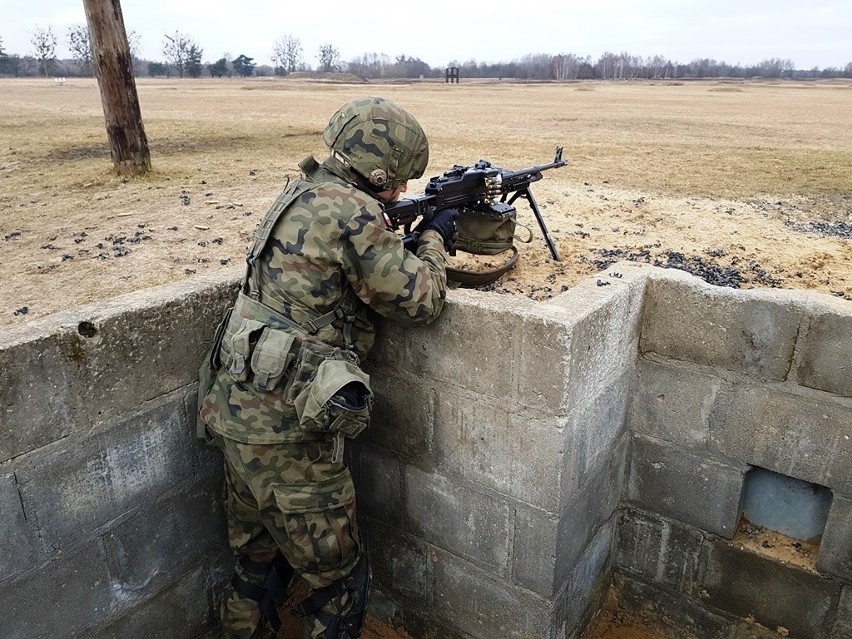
(292, 499)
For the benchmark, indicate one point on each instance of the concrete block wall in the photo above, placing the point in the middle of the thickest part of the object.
(110, 514)
(491, 475)
(726, 381)
(523, 457)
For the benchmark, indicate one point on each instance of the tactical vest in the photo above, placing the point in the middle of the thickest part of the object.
(279, 381)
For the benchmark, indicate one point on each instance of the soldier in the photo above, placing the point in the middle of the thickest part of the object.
(282, 389)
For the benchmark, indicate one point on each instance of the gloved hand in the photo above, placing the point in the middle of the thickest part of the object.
(444, 222)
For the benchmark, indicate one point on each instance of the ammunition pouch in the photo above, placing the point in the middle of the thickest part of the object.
(486, 230)
(318, 388)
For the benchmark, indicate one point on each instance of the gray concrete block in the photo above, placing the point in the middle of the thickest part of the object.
(587, 585)
(182, 610)
(20, 540)
(673, 403)
(773, 594)
(825, 360)
(168, 537)
(534, 549)
(842, 628)
(74, 489)
(667, 610)
(752, 332)
(547, 549)
(482, 606)
(690, 488)
(478, 337)
(458, 518)
(592, 432)
(517, 453)
(378, 483)
(604, 335)
(70, 594)
(835, 549)
(658, 550)
(146, 344)
(800, 436)
(399, 562)
(38, 390)
(544, 361)
(403, 414)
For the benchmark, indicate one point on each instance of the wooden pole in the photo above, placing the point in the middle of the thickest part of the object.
(114, 69)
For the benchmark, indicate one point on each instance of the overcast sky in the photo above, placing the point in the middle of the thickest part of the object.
(816, 33)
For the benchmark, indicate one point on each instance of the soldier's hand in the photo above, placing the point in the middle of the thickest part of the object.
(444, 222)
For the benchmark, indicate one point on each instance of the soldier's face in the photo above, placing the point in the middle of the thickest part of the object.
(389, 197)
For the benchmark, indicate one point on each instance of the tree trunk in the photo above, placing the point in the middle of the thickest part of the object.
(114, 69)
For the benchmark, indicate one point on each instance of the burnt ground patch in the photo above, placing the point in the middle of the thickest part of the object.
(732, 275)
(823, 227)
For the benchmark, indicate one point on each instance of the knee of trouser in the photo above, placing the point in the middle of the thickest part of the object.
(338, 610)
(264, 583)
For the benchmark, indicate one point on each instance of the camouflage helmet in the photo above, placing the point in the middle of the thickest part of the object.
(380, 141)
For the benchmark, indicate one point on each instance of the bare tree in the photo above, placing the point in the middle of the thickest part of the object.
(81, 48)
(44, 46)
(287, 52)
(329, 58)
(176, 50)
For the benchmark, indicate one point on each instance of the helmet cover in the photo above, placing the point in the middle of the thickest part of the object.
(379, 140)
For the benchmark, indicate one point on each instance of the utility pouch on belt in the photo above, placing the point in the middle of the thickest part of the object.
(336, 401)
(486, 230)
(256, 353)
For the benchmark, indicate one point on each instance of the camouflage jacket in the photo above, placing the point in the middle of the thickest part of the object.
(331, 242)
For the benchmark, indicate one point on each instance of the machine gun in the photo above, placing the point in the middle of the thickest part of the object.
(476, 188)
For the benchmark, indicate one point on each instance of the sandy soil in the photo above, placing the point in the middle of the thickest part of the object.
(751, 193)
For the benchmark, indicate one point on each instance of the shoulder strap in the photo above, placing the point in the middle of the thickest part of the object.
(472, 279)
(251, 285)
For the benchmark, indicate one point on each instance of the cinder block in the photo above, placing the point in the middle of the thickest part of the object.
(794, 435)
(826, 350)
(458, 518)
(690, 488)
(76, 488)
(592, 431)
(662, 608)
(146, 344)
(843, 620)
(672, 403)
(751, 332)
(20, 545)
(483, 606)
(179, 611)
(658, 550)
(587, 510)
(547, 549)
(403, 414)
(399, 562)
(478, 338)
(378, 484)
(544, 360)
(70, 594)
(38, 390)
(167, 538)
(773, 594)
(518, 454)
(587, 585)
(604, 336)
(835, 549)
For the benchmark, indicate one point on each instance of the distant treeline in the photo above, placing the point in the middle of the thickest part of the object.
(182, 57)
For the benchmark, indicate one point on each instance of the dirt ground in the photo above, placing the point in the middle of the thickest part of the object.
(743, 184)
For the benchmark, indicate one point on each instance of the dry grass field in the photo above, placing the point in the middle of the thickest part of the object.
(746, 184)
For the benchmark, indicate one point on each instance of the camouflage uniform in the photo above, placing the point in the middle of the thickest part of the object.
(323, 255)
